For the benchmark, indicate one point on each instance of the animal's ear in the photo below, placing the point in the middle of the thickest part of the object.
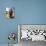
(8, 38)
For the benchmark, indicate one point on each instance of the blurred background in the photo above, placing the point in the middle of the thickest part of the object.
(27, 12)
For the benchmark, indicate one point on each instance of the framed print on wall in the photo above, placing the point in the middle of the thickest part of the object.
(32, 32)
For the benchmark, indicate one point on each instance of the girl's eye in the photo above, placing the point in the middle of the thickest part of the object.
(10, 13)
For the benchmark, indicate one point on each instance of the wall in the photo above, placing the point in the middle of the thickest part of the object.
(31, 11)
(6, 25)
